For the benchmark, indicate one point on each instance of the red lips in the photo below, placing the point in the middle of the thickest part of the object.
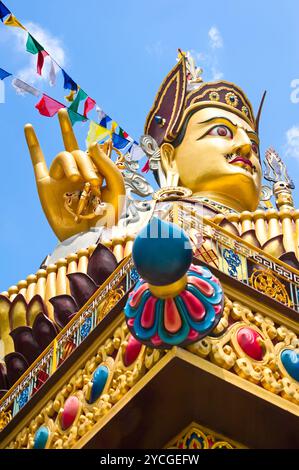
(242, 160)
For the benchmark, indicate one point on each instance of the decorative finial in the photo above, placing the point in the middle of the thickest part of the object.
(175, 302)
(276, 172)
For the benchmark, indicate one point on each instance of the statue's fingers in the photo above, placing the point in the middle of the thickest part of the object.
(107, 169)
(87, 168)
(37, 156)
(69, 139)
(65, 165)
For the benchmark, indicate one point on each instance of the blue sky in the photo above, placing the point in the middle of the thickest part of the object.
(119, 54)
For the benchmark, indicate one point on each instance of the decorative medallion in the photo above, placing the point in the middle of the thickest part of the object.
(251, 342)
(132, 351)
(98, 382)
(214, 96)
(69, 412)
(264, 281)
(41, 437)
(290, 361)
(231, 99)
(172, 193)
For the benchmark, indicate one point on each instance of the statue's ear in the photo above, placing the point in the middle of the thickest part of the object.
(162, 119)
(169, 165)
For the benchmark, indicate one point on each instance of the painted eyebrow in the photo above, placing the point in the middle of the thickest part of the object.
(253, 134)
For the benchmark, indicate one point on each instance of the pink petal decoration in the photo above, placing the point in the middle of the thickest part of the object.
(70, 411)
(156, 340)
(148, 314)
(218, 309)
(194, 306)
(132, 351)
(249, 340)
(172, 318)
(193, 335)
(136, 297)
(206, 288)
(196, 268)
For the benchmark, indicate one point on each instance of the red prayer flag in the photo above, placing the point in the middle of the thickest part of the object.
(40, 61)
(88, 105)
(48, 106)
(146, 167)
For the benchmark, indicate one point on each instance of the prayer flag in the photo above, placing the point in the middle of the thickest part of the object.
(123, 133)
(69, 83)
(96, 133)
(40, 61)
(100, 113)
(13, 21)
(75, 117)
(52, 74)
(4, 11)
(32, 45)
(81, 95)
(119, 142)
(136, 152)
(22, 88)
(105, 121)
(4, 74)
(48, 106)
(146, 167)
(88, 105)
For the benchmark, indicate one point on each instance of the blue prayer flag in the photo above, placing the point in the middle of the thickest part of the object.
(4, 74)
(4, 11)
(105, 121)
(119, 142)
(69, 83)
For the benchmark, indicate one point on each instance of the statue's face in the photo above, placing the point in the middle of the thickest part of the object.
(219, 154)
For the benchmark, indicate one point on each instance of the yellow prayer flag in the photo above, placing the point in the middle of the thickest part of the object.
(96, 133)
(114, 125)
(12, 21)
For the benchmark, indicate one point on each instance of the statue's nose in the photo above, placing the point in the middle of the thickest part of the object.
(242, 144)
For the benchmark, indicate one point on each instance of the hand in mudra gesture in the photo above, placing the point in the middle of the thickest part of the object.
(76, 176)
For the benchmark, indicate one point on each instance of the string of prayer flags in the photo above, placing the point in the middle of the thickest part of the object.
(13, 21)
(88, 105)
(100, 113)
(4, 11)
(4, 74)
(69, 83)
(40, 61)
(22, 88)
(96, 133)
(32, 45)
(47, 106)
(75, 117)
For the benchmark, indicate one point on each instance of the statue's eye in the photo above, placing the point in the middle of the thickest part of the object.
(221, 131)
(255, 147)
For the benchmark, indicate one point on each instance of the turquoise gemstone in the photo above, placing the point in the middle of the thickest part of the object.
(41, 437)
(99, 380)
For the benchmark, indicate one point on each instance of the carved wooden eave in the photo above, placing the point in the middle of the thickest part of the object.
(147, 403)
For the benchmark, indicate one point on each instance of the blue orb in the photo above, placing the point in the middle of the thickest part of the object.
(162, 252)
(41, 438)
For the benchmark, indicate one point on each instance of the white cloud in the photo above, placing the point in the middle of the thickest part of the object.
(292, 145)
(51, 44)
(216, 41)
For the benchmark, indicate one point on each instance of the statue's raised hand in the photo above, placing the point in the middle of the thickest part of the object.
(71, 191)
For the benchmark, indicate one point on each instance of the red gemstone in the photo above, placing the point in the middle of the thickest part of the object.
(70, 411)
(132, 350)
(251, 343)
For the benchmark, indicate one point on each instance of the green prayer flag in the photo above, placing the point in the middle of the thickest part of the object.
(81, 95)
(75, 117)
(32, 45)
